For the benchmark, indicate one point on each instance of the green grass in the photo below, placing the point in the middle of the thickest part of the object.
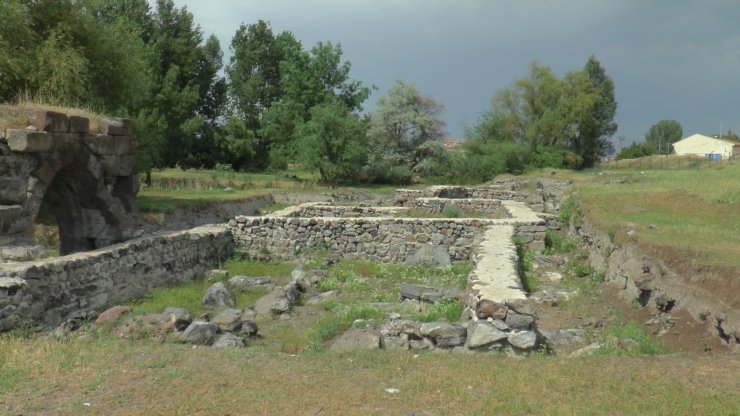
(525, 264)
(633, 330)
(557, 243)
(685, 213)
(449, 310)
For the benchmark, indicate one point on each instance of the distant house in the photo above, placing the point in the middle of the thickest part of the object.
(450, 143)
(700, 145)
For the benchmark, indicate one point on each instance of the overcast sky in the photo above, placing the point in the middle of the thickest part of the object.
(669, 59)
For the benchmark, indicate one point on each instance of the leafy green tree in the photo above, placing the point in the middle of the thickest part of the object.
(333, 141)
(597, 128)
(572, 116)
(254, 82)
(662, 135)
(309, 78)
(17, 44)
(402, 128)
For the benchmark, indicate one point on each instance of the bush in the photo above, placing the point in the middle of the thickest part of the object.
(556, 243)
(636, 150)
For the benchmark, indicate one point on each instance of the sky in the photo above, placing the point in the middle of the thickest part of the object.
(669, 59)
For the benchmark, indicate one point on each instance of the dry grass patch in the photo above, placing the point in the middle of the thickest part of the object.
(108, 376)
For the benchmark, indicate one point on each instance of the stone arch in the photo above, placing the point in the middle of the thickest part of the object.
(87, 182)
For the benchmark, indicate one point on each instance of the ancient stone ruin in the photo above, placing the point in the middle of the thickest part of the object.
(86, 180)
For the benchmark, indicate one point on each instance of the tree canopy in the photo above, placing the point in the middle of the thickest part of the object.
(662, 135)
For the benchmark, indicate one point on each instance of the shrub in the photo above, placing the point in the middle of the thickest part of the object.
(556, 243)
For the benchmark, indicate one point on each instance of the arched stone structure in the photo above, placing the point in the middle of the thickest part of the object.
(86, 180)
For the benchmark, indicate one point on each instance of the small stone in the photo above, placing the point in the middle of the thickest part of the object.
(585, 351)
(280, 306)
(519, 321)
(394, 316)
(217, 296)
(112, 313)
(248, 328)
(199, 333)
(315, 300)
(628, 344)
(229, 340)
(489, 309)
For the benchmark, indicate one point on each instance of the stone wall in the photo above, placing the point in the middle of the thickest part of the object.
(50, 289)
(85, 180)
(437, 205)
(380, 239)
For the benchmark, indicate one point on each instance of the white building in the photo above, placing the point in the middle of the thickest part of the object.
(706, 146)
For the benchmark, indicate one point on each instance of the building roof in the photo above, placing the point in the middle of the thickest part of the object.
(702, 137)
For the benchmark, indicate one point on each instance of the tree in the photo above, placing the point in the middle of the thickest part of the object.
(333, 141)
(254, 82)
(596, 129)
(662, 135)
(564, 121)
(401, 127)
(309, 78)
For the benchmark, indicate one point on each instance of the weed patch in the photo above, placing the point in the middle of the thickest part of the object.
(556, 243)
(525, 264)
(635, 331)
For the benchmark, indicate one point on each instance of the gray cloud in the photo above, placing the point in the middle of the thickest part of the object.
(669, 59)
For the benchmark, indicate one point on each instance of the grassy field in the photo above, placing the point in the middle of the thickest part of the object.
(175, 188)
(690, 212)
(290, 372)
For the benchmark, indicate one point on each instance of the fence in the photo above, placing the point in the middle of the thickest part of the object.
(671, 162)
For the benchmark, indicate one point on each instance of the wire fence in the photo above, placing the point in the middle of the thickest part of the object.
(670, 162)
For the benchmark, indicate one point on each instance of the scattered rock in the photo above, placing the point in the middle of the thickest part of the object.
(280, 306)
(228, 320)
(364, 323)
(74, 321)
(229, 340)
(523, 339)
(199, 333)
(300, 280)
(263, 306)
(315, 300)
(427, 293)
(112, 313)
(482, 334)
(248, 328)
(357, 339)
(243, 283)
(585, 351)
(489, 309)
(217, 296)
(445, 335)
(181, 317)
(628, 344)
(398, 327)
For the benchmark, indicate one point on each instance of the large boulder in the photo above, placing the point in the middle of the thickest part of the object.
(523, 339)
(482, 334)
(428, 293)
(228, 320)
(444, 335)
(243, 283)
(356, 339)
(518, 321)
(217, 296)
(485, 309)
(229, 341)
(199, 333)
(112, 313)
